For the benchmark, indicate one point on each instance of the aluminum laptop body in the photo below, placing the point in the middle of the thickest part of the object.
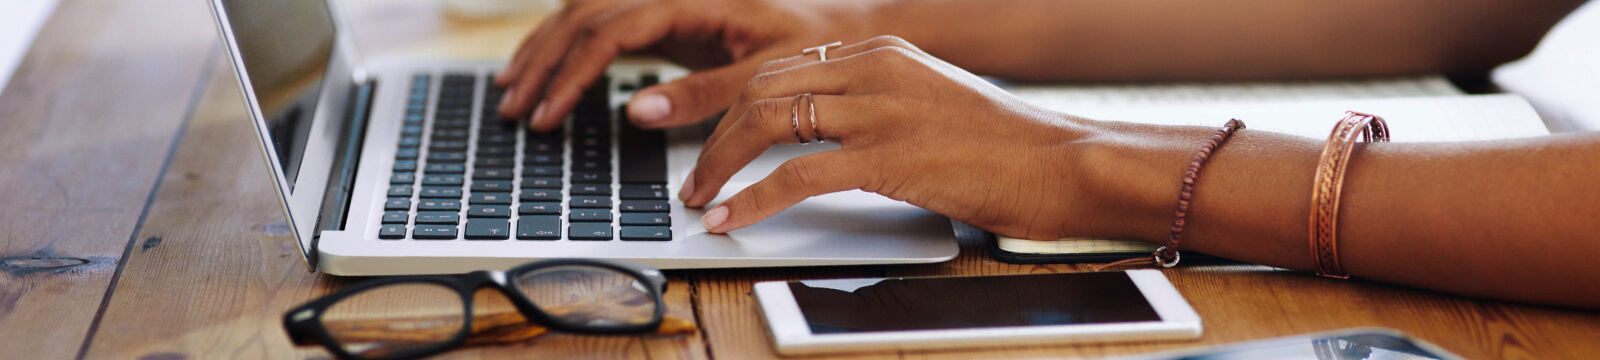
(332, 126)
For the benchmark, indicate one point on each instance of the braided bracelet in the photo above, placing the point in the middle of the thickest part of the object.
(1329, 180)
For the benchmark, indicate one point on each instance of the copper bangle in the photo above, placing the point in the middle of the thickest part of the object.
(1329, 180)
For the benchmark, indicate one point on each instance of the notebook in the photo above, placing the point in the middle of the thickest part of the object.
(1416, 109)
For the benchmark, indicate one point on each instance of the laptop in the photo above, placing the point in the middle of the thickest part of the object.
(402, 166)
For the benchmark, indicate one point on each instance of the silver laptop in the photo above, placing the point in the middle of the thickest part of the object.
(400, 166)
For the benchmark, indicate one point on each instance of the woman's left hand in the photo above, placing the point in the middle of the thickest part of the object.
(912, 128)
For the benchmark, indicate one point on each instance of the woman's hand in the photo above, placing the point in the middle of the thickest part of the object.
(912, 128)
(723, 40)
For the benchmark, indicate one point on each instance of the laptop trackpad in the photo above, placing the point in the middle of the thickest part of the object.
(864, 223)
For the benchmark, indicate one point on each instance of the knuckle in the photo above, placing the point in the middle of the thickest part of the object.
(801, 173)
(759, 85)
(765, 112)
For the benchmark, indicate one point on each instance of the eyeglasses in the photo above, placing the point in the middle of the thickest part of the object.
(415, 316)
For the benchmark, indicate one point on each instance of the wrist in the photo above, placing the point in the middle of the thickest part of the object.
(1130, 175)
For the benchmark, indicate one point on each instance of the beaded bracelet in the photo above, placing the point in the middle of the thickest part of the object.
(1330, 180)
(1167, 255)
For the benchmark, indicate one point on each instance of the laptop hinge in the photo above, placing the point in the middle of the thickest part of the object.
(346, 162)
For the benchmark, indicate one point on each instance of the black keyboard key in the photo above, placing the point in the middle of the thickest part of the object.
(542, 171)
(648, 80)
(441, 192)
(497, 151)
(592, 165)
(395, 217)
(542, 147)
(403, 178)
(539, 208)
(641, 155)
(591, 177)
(644, 192)
(589, 231)
(540, 195)
(405, 165)
(491, 198)
(591, 202)
(591, 189)
(449, 134)
(439, 204)
(491, 186)
(647, 233)
(438, 217)
(591, 154)
(645, 206)
(406, 154)
(397, 204)
(434, 232)
(498, 139)
(445, 168)
(447, 156)
(491, 174)
(410, 141)
(590, 215)
(392, 231)
(441, 180)
(638, 218)
(488, 229)
(448, 146)
(541, 183)
(499, 162)
(544, 227)
(491, 211)
(400, 190)
(592, 142)
(542, 159)
(411, 130)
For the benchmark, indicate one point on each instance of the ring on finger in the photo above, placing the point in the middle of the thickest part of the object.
(794, 117)
(822, 51)
(816, 131)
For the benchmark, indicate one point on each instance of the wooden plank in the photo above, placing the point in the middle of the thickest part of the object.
(84, 129)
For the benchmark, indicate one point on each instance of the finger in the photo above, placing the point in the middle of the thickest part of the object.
(535, 55)
(768, 122)
(597, 44)
(795, 180)
(816, 78)
(808, 55)
(692, 98)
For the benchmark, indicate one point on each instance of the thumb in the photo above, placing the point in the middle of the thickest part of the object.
(692, 98)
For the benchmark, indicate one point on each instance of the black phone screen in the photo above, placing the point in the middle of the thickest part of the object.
(901, 304)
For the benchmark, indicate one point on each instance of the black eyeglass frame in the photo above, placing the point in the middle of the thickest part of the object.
(305, 321)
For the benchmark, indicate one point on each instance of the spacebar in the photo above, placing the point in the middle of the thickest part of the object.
(642, 154)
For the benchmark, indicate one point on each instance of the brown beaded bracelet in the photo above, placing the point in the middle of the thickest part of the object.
(1167, 255)
(1330, 180)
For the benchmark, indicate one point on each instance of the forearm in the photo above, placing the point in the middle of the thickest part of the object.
(1510, 219)
(1219, 39)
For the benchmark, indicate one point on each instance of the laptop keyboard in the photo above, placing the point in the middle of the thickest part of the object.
(495, 180)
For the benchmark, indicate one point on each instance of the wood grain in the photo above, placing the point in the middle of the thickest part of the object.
(84, 129)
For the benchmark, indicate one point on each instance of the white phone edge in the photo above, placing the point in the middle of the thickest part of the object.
(791, 336)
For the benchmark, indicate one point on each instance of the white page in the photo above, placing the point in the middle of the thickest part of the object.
(20, 20)
(1435, 118)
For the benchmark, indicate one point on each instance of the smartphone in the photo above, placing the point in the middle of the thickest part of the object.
(1347, 344)
(819, 316)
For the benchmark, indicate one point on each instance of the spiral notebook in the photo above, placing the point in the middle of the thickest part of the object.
(1416, 109)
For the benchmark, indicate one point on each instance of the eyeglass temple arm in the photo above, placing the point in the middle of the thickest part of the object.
(487, 329)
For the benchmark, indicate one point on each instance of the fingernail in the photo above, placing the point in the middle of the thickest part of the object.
(505, 100)
(538, 115)
(688, 188)
(715, 217)
(650, 107)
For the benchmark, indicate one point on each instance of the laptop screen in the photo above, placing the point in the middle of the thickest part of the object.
(285, 46)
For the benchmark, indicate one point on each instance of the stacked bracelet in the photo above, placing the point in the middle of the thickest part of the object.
(1329, 180)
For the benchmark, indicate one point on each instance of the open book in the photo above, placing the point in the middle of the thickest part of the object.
(1421, 109)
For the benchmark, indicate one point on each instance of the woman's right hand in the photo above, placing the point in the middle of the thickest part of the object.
(723, 41)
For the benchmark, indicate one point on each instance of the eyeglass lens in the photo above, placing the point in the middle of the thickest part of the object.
(395, 318)
(588, 296)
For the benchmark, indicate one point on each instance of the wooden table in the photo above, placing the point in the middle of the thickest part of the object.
(138, 222)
